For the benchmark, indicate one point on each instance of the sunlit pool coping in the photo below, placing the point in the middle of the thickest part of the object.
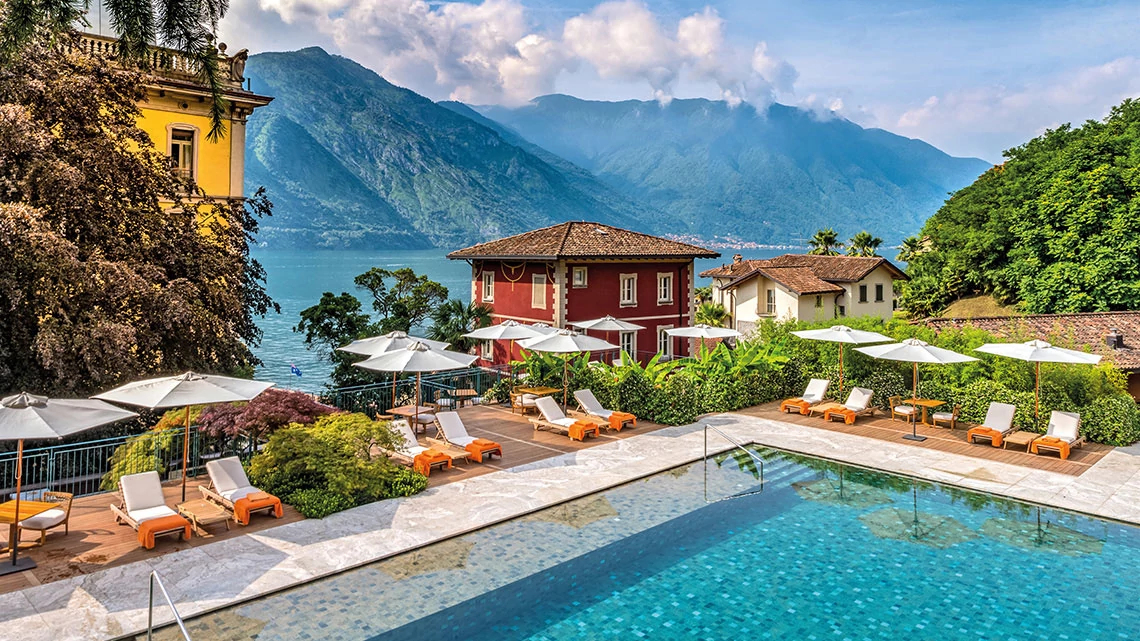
(111, 603)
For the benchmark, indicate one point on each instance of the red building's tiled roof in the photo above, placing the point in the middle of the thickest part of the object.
(822, 269)
(581, 240)
(1078, 331)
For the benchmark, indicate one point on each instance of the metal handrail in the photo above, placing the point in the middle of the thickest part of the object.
(737, 445)
(155, 578)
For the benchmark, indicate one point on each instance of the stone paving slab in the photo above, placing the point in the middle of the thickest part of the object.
(112, 603)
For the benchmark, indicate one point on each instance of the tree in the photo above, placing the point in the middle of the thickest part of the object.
(825, 242)
(703, 294)
(187, 26)
(404, 304)
(451, 320)
(266, 413)
(1054, 229)
(712, 314)
(107, 271)
(863, 244)
(911, 247)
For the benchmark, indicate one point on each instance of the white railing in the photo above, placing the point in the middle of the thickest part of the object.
(159, 60)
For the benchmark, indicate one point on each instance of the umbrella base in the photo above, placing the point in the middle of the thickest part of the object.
(22, 564)
(914, 437)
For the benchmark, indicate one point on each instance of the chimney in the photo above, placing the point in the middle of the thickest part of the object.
(1114, 339)
(737, 259)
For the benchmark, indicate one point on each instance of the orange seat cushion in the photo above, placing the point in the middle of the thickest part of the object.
(1051, 442)
(988, 432)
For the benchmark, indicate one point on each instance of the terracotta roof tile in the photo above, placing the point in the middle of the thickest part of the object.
(1077, 331)
(800, 280)
(582, 240)
(835, 269)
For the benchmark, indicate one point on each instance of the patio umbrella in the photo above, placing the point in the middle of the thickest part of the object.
(507, 330)
(376, 345)
(609, 324)
(566, 342)
(1038, 352)
(701, 330)
(26, 416)
(543, 328)
(185, 390)
(914, 351)
(843, 335)
(419, 358)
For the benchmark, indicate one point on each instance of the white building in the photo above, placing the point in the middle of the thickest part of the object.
(804, 287)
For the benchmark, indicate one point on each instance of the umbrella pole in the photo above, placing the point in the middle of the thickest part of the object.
(14, 530)
(186, 453)
(414, 427)
(913, 436)
(841, 370)
(1037, 394)
(565, 381)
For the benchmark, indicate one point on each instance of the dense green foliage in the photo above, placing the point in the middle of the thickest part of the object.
(1054, 229)
(102, 279)
(329, 465)
(354, 161)
(451, 320)
(825, 242)
(148, 450)
(772, 176)
(1108, 414)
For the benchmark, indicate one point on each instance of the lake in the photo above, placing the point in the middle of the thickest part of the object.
(297, 278)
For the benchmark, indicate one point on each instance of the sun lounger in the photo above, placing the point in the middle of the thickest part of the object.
(590, 405)
(410, 452)
(858, 404)
(998, 424)
(230, 488)
(1064, 433)
(555, 419)
(813, 395)
(144, 508)
(453, 431)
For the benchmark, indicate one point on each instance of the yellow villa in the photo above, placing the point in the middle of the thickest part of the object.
(176, 115)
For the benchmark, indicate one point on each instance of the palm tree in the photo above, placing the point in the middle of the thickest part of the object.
(911, 247)
(713, 314)
(187, 26)
(825, 242)
(451, 320)
(863, 244)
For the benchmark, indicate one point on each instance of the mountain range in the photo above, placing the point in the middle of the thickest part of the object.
(351, 160)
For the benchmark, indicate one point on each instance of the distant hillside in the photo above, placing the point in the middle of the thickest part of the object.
(354, 161)
(768, 177)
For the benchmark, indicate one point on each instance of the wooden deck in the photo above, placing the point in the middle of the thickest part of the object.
(95, 542)
(942, 439)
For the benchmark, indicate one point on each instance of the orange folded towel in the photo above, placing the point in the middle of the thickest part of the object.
(425, 460)
(481, 446)
(619, 419)
(149, 529)
(254, 502)
(989, 432)
(580, 429)
(797, 404)
(848, 415)
(1052, 442)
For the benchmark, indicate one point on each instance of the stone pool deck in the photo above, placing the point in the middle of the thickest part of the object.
(112, 603)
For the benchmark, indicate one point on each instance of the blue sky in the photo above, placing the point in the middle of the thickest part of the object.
(972, 78)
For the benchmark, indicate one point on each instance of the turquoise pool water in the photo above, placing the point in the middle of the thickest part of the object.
(821, 552)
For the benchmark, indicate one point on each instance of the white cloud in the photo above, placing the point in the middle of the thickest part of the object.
(491, 53)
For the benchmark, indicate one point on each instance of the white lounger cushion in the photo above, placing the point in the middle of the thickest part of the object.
(999, 417)
(816, 390)
(552, 413)
(142, 491)
(859, 399)
(410, 446)
(590, 403)
(44, 520)
(227, 474)
(1064, 425)
(943, 416)
(906, 409)
(149, 513)
(453, 429)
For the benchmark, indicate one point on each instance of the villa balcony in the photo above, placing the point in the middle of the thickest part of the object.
(166, 63)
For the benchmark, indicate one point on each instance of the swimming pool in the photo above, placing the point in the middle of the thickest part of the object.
(808, 549)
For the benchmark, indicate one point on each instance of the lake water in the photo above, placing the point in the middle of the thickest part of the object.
(297, 278)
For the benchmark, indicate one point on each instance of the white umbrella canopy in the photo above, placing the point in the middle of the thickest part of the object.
(507, 330)
(184, 390)
(1037, 352)
(27, 416)
(418, 357)
(566, 342)
(543, 328)
(701, 330)
(913, 350)
(387, 342)
(608, 324)
(843, 335)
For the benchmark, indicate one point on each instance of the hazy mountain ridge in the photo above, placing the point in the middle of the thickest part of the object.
(352, 160)
(766, 177)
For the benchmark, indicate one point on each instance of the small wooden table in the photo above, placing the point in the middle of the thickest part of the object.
(456, 453)
(540, 391)
(925, 404)
(8, 515)
(465, 395)
(1019, 437)
(824, 408)
(201, 513)
(425, 414)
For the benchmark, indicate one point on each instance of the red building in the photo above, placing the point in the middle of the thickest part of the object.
(580, 271)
